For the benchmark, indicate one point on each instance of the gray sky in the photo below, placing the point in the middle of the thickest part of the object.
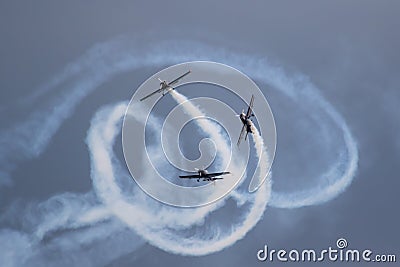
(348, 50)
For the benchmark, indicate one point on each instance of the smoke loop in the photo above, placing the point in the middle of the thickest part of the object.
(229, 157)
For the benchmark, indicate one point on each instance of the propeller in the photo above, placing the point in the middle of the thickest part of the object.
(238, 115)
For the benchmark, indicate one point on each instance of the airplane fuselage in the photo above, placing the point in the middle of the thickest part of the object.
(205, 175)
(243, 118)
(202, 173)
(246, 121)
(163, 85)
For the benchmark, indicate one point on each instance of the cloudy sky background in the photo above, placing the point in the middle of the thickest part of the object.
(347, 50)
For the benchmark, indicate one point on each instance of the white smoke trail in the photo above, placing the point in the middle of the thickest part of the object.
(86, 234)
(29, 139)
(163, 226)
(122, 59)
(207, 126)
(340, 175)
(31, 136)
(263, 161)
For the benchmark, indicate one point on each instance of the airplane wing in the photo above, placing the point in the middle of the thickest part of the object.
(177, 79)
(155, 92)
(250, 109)
(189, 176)
(241, 134)
(211, 175)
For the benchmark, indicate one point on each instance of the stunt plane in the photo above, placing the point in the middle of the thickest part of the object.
(246, 120)
(203, 174)
(166, 87)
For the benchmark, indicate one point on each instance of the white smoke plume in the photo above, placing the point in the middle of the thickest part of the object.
(263, 161)
(68, 229)
(207, 126)
(96, 223)
(164, 226)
